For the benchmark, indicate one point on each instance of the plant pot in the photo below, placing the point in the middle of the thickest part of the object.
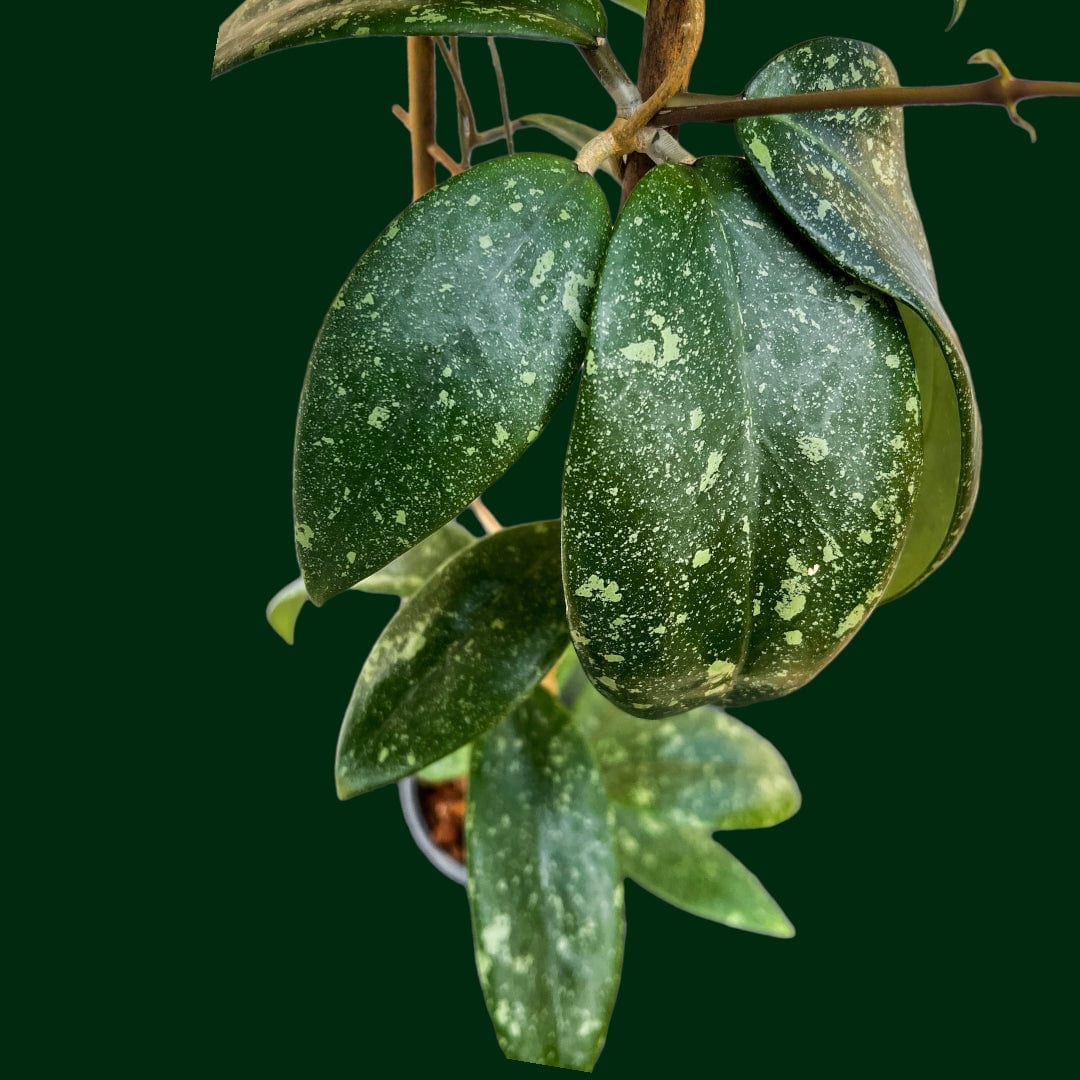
(408, 792)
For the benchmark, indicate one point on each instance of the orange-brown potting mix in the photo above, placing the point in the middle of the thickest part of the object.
(443, 807)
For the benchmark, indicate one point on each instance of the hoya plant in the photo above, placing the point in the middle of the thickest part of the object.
(775, 433)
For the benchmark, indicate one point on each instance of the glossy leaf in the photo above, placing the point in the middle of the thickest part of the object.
(703, 768)
(544, 887)
(841, 176)
(442, 358)
(468, 647)
(402, 577)
(686, 867)
(448, 768)
(572, 133)
(261, 26)
(744, 453)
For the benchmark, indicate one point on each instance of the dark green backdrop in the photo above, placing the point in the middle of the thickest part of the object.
(232, 918)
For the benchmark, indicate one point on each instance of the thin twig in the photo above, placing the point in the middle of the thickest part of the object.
(466, 120)
(490, 135)
(504, 104)
(993, 91)
(444, 159)
(488, 521)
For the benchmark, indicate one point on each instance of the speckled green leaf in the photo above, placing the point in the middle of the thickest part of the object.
(544, 887)
(703, 768)
(466, 648)
(744, 454)
(686, 867)
(442, 358)
(402, 577)
(261, 26)
(842, 177)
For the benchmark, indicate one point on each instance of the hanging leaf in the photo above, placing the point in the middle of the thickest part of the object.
(841, 176)
(703, 768)
(401, 578)
(442, 358)
(261, 26)
(572, 133)
(544, 887)
(468, 647)
(686, 867)
(744, 453)
(957, 10)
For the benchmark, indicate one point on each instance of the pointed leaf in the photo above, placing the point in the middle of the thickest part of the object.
(636, 6)
(957, 10)
(544, 887)
(703, 768)
(572, 133)
(743, 456)
(470, 645)
(402, 577)
(261, 26)
(841, 176)
(687, 868)
(443, 357)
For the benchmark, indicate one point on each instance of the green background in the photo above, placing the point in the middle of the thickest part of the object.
(197, 902)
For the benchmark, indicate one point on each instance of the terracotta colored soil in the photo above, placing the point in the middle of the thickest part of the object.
(443, 807)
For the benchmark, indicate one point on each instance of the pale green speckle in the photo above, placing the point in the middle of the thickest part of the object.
(304, 535)
(696, 417)
(793, 637)
(517, 207)
(350, 556)
(721, 670)
(501, 435)
(598, 589)
(702, 556)
(485, 242)
(643, 352)
(851, 620)
(542, 268)
(866, 537)
(473, 200)
(761, 152)
(378, 416)
(614, 658)
(528, 377)
(812, 447)
(892, 360)
(712, 470)
(399, 517)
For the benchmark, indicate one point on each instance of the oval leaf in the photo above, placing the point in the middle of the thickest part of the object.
(261, 26)
(442, 358)
(687, 868)
(743, 456)
(402, 577)
(703, 768)
(544, 887)
(470, 645)
(842, 177)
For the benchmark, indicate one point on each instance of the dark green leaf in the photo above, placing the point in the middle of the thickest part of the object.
(703, 768)
(470, 645)
(401, 578)
(544, 887)
(261, 26)
(744, 454)
(686, 867)
(442, 358)
(841, 176)
(570, 132)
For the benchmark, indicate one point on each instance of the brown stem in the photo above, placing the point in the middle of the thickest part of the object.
(420, 52)
(672, 36)
(488, 521)
(435, 151)
(992, 91)
(466, 120)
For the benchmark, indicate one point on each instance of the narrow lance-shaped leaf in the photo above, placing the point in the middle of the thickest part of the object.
(841, 176)
(261, 26)
(744, 455)
(468, 647)
(442, 358)
(702, 768)
(683, 865)
(544, 887)
(957, 10)
(401, 578)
